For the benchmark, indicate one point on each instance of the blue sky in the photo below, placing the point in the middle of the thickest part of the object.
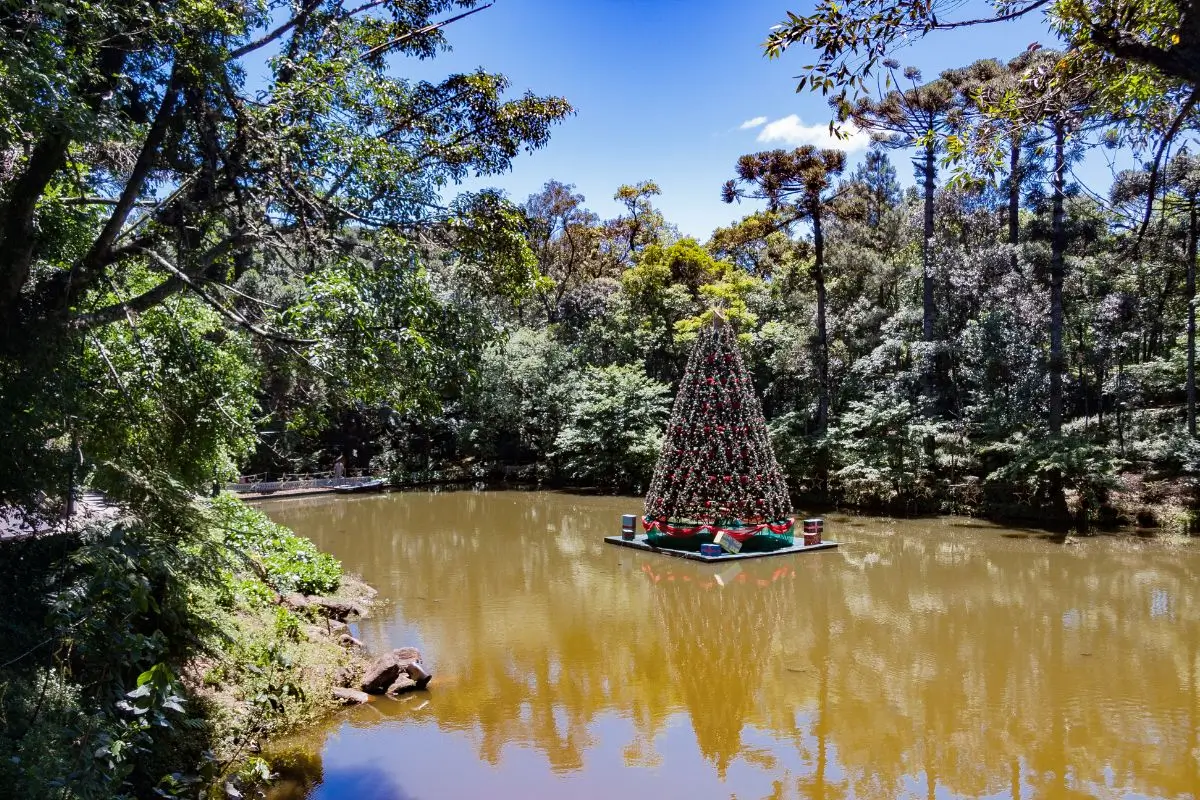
(662, 89)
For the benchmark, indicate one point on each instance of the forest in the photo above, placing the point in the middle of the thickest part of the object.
(231, 243)
(1018, 346)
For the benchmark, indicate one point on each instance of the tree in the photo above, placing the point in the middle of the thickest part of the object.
(798, 184)
(612, 433)
(1060, 114)
(643, 225)
(1138, 59)
(564, 237)
(1183, 175)
(868, 239)
(758, 243)
(914, 117)
(142, 163)
(879, 187)
(1180, 196)
(980, 88)
(666, 289)
(1106, 39)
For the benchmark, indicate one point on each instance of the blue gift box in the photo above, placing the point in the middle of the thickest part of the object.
(710, 549)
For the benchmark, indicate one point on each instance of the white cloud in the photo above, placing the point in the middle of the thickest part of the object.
(791, 130)
(752, 123)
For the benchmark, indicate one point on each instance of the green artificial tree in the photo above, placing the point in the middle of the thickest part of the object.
(717, 471)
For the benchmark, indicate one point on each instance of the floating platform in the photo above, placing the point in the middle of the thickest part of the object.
(356, 488)
(640, 543)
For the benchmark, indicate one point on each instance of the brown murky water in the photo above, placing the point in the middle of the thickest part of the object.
(931, 658)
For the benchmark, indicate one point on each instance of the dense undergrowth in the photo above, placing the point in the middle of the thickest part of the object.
(137, 661)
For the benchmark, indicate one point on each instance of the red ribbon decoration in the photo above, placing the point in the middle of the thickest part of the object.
(740, 534)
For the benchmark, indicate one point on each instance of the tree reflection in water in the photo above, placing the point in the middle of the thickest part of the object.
(921, 657)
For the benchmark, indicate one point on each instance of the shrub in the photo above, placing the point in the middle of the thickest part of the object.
(289, 563)
(613, 432)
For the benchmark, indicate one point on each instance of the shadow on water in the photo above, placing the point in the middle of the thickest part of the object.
(918, 659)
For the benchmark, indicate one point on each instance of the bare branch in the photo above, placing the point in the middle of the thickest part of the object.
(99, 201)
(97, 254)
(216, 305)
(382, 48)
(251, 298)
(966, 23)
(1168, 137)
(135, 305)
(250, 47)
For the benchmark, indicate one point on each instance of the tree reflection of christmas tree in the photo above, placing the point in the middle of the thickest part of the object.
(717, 470)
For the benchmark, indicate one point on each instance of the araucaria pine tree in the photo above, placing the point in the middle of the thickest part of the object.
(717, 466)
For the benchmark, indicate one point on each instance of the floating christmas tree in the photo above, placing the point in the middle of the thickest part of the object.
(717, 472)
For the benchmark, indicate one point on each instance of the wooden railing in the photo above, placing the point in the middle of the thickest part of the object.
(257, 484)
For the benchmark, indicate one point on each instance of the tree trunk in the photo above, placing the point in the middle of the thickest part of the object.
(927, 309)
(1057, 268)
(818, 276)
(1193, 234)
(1014, 199)
(1120, 403)
(1058, 249)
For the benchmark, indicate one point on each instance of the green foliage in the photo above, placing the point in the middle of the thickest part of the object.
(90, 692)
(147, 184)
(521, 400)
(613, 431)
(189, 256)
(1033, 460)
(142, 410)
(101, 628)
(729, 293)
(881, 447)
(289, 563)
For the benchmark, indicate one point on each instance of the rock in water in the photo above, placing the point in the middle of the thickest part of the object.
(343, 676)
(417, 672)
(411, 660)
(335, 609)
(402, 684)
(351, 696)
(381, 673)
(397, 671)
(407, 654)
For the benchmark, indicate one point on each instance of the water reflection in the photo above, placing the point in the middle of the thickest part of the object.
(920, 659)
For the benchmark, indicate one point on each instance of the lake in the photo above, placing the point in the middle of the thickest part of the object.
(924, 658)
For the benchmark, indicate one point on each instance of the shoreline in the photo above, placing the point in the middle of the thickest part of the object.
(1127, 515)
(281, 652)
